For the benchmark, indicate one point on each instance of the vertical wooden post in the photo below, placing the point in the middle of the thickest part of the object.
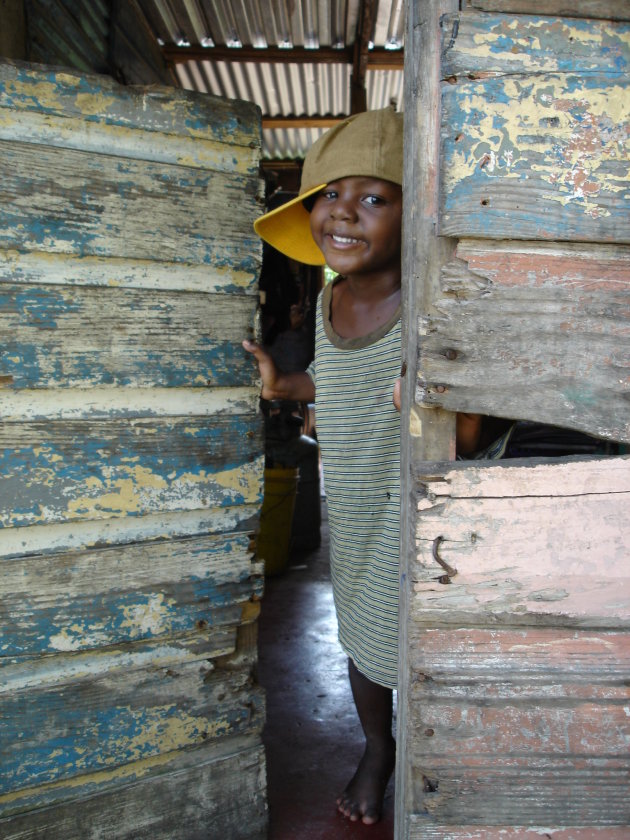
(427, 434)
(13, 30)
(365, 23)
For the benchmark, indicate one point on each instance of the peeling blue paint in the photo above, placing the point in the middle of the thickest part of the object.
(90, 623)
(79, 467)
(68, 733)
(79, 630)
(184, 113)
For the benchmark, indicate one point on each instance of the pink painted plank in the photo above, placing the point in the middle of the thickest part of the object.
(422, 831)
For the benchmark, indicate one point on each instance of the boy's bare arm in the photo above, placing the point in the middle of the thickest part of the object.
(468, 433)
(277, 385)
(468, 426)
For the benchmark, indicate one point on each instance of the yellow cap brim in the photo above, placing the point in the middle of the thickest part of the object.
(288, 229)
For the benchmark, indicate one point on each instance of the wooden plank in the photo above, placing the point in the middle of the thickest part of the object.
(485, 43)
(103, 102)
(61, 471)
(605, 9)
(497, 527)
(572, 350)
(131, 468)
(27, 673)
(141, 144)
(421, 829)
(537, 157)
(90, 599)
(56, 336)
(509, 664)
(182, 797)
(64, 201)
(68, 536)
(71, 270)
(103, 403)
(522, 727)
(121, 717)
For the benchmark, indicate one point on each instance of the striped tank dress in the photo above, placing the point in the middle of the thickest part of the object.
(358, 429)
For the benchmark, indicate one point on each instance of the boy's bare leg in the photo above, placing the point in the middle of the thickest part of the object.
(363, 797)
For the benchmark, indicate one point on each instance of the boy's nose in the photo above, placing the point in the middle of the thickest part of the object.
(341, 209)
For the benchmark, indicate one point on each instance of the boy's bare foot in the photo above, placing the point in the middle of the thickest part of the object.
(363, 797)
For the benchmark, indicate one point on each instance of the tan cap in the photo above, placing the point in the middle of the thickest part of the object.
(368, 145)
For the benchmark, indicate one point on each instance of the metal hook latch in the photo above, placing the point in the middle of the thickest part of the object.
(450, 571)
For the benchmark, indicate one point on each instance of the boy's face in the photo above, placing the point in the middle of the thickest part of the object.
(357, 222)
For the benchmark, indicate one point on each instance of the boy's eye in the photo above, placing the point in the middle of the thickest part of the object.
(374, 200)
(329, 193)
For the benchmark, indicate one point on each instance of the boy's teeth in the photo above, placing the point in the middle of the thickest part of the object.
(346, 240)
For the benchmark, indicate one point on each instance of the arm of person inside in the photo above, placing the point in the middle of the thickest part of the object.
(468, 426)
(277, 385)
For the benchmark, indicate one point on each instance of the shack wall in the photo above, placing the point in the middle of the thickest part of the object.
(515, 615)
(130, 466)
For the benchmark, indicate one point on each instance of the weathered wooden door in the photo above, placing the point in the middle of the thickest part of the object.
(131, 475)
(515, 652)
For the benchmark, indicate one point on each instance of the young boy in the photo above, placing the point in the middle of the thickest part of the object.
(348, 215)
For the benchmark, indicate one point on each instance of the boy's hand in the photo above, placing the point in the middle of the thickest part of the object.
(266, 366)
(277, 385)
(396, 397)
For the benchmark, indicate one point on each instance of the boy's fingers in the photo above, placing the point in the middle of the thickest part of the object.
(397, 397)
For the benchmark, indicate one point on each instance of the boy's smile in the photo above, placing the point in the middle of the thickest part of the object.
(356, 222)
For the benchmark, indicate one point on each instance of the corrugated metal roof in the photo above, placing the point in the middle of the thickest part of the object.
(280, 89)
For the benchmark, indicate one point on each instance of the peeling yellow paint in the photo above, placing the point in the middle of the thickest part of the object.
(63, 641)
(247, 480)
(122, 494)
(483, 42)
(91, 104)
(161, 730)
(136, 770)
(415, 425)
(135, 493)
(185, 145)
(119, 272)
(150, 617)
(503, 134)
(527, 43)
(250, 611)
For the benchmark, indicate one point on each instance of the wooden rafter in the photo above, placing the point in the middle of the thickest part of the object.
(303, 121)
(365, 24)
(377, 58)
